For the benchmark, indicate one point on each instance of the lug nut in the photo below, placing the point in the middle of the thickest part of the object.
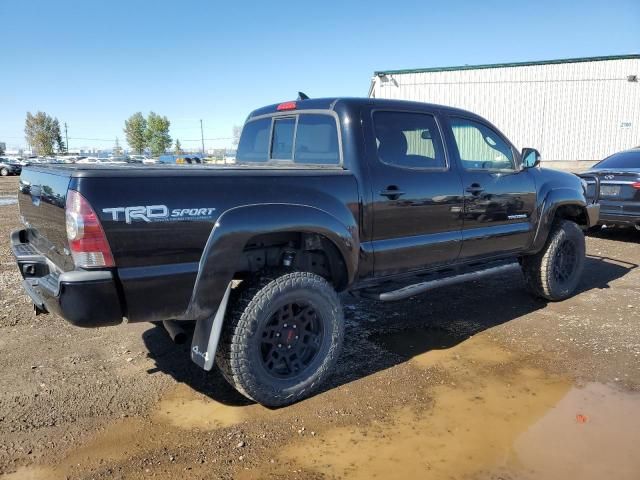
(285, 325)
(279, 345)
(295, 326)
(288, 347)
(277, 334)
(297, 337)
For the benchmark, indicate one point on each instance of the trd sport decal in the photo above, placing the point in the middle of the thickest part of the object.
(158, 213)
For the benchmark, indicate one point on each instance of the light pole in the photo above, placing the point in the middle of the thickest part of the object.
(202, 137)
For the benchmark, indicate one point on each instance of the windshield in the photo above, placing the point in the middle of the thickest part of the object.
(300, 139)
(628, 159)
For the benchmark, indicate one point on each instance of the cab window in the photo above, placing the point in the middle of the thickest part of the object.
(409, 140)
(480, 147)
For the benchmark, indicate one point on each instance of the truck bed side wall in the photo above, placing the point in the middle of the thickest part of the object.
(158, 260)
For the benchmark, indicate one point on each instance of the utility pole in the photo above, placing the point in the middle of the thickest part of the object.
(66, 134)
(202, 137)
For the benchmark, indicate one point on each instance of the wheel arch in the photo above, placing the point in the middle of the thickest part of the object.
(560, 203)
(225, 252)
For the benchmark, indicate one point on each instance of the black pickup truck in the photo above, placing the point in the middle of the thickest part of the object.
(382, 198)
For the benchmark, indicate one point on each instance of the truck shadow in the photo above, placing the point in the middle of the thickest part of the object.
(381, 335)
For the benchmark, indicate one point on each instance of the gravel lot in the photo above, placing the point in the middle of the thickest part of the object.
(471, 381)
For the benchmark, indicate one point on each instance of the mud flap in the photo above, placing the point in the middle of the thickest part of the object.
(207, 334)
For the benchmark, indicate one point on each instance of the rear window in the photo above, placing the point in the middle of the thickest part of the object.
(306, 138)
(254, 141)
(282, 145)
(630, 159)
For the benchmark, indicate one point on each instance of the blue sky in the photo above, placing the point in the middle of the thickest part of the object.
(93, 63)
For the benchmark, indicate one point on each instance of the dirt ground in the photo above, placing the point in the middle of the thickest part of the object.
(478, 381)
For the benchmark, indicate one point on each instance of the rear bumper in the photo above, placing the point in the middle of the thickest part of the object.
(83, 298)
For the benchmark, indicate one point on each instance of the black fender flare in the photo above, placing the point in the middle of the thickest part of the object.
(234, 228)
(554, 199)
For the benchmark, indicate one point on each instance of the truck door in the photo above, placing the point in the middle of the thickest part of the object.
(499, 197)
(417, 195)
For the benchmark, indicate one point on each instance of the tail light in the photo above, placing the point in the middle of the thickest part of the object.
(636, 185)
(87, 241)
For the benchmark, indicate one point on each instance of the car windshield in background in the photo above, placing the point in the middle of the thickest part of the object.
(309, 139)
(628, 159)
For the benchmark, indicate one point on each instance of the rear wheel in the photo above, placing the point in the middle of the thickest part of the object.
(4, 172)
(554, 272)
(282, 337)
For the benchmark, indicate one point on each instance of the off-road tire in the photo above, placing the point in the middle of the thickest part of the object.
(540, 270)
(4, 172)
(252, 305)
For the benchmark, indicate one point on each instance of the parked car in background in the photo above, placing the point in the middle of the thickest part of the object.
(137, 158)
(619, 177)
(185, 159)
(9, 167)
(89, 160)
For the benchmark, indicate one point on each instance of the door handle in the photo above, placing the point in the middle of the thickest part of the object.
(474, 189)
(392, 192)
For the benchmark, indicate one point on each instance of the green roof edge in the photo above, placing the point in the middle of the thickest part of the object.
(512, 64)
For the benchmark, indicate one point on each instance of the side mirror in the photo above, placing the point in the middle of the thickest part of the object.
(530, 158)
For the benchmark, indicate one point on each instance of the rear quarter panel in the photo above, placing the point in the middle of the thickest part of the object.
(158, 261)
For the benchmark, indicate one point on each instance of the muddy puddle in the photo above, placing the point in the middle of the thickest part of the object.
(496, 418)
(182, 409)
(489, 415)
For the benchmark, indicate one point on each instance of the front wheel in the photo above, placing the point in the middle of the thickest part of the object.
(554, 272)
(282, 337)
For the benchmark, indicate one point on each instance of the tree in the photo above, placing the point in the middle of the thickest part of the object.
(178, 148)
(157, 134)
(117, 149)
(58, 137)
(135, 130)
(2, 147)
(42, 132)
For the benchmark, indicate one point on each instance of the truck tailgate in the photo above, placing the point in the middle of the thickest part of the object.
(41, 197)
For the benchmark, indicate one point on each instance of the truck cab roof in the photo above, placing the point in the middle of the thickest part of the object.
(332, 103)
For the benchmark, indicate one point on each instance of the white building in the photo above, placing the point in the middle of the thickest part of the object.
(574, 111)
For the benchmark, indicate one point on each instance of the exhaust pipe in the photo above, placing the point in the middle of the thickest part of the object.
(175, 331)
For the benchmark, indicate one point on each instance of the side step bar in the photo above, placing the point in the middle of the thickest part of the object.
(418, 288)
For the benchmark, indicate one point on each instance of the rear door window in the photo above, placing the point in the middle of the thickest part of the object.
(409, 140)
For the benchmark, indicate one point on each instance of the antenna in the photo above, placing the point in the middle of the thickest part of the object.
(302, 96)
